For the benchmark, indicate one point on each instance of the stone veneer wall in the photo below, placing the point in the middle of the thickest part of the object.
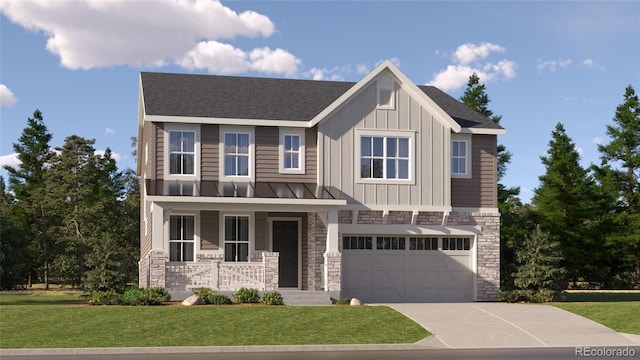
(271, 278)
(317, 239)
(488, 251)
(157, 260)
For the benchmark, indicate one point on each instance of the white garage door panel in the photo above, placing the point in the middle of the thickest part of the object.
(407, 275)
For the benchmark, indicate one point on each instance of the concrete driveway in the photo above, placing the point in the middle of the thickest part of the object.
(496, 325)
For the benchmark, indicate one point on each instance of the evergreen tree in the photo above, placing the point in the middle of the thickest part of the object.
(619, 174)
(28, 184)
(565, 202)
(539, 268)
(12, 244)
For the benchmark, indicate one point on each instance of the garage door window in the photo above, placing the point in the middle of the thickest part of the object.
(456, 244)
(420, 243)
(390, 243)
(357, 243)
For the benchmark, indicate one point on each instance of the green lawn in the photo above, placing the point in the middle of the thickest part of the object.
(619, 316)
(48, 322)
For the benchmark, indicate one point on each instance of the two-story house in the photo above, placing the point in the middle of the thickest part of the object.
(381, 189)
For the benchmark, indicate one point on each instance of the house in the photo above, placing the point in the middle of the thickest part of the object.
(381, 189)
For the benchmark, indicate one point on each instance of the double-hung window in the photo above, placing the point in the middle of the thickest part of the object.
(460, 158)
(182, 152)
(385, 157)
(236, 238)
(181, 237)
(292, 151)
(236, 154)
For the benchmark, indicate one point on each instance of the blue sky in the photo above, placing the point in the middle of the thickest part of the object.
(542, 62)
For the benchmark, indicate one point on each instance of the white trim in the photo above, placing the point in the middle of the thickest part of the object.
(196, 232)
(221, 231)
(301, 150)
(435, 230)
(415, 208)
(226, 121)
(467, 139)
(387, 133)
(270, 221)
(250, 201)
(252, 153)
(168, 128)
(483, 131)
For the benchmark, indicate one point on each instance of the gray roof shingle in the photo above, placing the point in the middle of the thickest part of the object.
(215, 96)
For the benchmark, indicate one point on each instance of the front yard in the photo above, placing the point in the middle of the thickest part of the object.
(29, 321)
(619, 311)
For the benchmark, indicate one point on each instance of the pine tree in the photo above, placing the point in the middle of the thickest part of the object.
(12, 242)
(27, 182)
(565, 202)
(619, 174)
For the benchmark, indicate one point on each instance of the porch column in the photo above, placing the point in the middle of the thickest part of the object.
(332, 254)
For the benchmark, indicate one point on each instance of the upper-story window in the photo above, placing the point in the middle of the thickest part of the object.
(385, 157)
(236, 154)
(181, 151)
(460, 156)
(291, 150)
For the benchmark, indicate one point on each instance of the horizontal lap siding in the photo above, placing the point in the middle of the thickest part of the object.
(267, 157)
(209, 234)
(481, 189)
(159, 150)
(210, 137)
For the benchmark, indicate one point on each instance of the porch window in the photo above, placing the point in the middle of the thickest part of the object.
(236, 238)
(236, 154)
(384, 157)
(181, 237)
(182, 152)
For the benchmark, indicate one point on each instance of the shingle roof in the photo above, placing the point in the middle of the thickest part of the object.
(215, 96)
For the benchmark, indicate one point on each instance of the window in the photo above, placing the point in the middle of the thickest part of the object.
(181, 237)
(456, 244)
(236, 238)
(461, 156)
(357, 243)
(182, 152)
(390, 243)
(291, 150)
(423, 243)
(236, 154)
(386, 92)
(383, 157)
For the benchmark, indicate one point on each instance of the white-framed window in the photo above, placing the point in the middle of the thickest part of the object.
(237, 154)
(182, 237)
(386, 92)
(237, 235)
(385, 158)
(456, 243)
(182, 151)
(461, 156)
(292, 151)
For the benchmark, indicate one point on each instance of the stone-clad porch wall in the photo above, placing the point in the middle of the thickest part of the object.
(157, 261)
(488, 251)
(313, 277)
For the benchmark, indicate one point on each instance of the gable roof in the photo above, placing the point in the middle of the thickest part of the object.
(233, 97)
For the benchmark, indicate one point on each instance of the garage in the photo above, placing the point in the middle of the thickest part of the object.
(379, 269)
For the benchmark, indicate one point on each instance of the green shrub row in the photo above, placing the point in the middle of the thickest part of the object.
(210, 297)
(540, 296)
(242, 296)
(148, 296)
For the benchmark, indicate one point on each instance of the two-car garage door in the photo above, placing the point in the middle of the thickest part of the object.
(407, 269)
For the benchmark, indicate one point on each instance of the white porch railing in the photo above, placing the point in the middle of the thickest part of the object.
(232, 276)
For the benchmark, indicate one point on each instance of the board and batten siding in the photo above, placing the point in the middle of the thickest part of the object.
(209, 152)
(481, 190)
(430, 160)
(267, 156)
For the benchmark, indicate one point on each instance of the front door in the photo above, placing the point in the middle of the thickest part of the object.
(285, 242)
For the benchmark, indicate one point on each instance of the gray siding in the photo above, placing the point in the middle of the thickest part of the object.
(267, 157)
(209, 235)
(209, 151)
(159, 150)
(148, 157)
(261, 231)
(431, 172)
(481, 190)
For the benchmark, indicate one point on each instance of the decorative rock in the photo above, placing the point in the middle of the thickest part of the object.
(355, 301)
(193, 300)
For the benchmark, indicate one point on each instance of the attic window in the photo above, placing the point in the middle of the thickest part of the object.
(386, 92)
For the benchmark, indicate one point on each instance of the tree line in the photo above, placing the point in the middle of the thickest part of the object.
(582, 228)
(68, 215)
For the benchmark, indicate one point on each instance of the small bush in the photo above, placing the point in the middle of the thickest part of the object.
(109, 297)
(343, 301)
(148, 296)
(244, 295)
(219, 300)
(133, 296)
(541, 296)
(272, 298)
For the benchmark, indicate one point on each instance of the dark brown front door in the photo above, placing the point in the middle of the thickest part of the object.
(285, 242)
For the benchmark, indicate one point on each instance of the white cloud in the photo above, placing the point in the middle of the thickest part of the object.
(597, 140)
(335, 73)
(471, 58)
(109, 131)
(578, 150)
(114, 155)
(362, 69)
(553, 65)
(10, 160)
(6, 96)
(588, 63)
(90, 34)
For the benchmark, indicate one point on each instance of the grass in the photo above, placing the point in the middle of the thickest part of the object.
(29, 321)
(585, 296)
(619, 316)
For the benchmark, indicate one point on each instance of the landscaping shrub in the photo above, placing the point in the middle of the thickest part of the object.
(210, 297)
(109, 297)
(343, 301)
(244, 295)
(133, 297)
(272, 298)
